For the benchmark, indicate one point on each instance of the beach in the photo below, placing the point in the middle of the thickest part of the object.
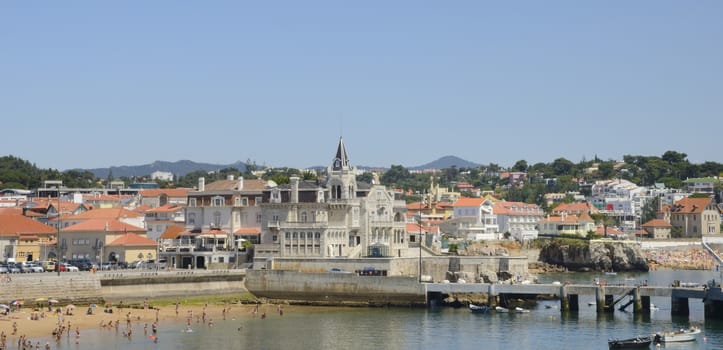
(38, 323)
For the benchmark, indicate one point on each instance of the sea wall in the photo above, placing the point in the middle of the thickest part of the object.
(335, 288)
(436, 267)
(75, 288)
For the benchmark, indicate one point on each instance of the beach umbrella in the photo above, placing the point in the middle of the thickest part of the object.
(41, 299)
(70, 306)
(53, 301)
(4, 306)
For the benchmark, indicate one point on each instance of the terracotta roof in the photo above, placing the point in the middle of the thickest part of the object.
(105, 213)
(516, 208)
(575, 208)
(232, 185)
(105, 197)
(690, 205)
(657, 223)
(12, 225)
(11, 211)
(567, 218)
(142, 208)
(469, 202)
(414, 228)
(132, 239)
(97, 225)
(172, 232)
(168, 208)
(170, 192)
(248, 231)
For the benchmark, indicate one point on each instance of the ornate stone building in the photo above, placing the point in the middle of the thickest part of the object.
(334, 217)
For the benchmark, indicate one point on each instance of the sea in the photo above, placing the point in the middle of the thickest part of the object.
(433, 328)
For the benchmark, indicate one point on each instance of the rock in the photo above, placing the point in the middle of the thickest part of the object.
(488, 276)
(598, 255)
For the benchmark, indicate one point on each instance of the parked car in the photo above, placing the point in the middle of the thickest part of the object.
(25, 267)
(35, 267)
(13, 268)
(4, 268)
(68, 267)
(48, 265)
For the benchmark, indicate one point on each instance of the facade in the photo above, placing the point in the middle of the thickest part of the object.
(217, 216)
(24, 239)
(657, 229)
(567, 224)
(520, 219)
(473, 218)
(162, 175)
(155, 198)
(704, 185)
(338, 218)
(158, 219)
(695, 217)
(93, 239)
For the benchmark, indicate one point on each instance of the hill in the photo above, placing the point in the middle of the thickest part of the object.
(178, 168)
(447, 162)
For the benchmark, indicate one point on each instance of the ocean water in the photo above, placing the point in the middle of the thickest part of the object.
(432, 328)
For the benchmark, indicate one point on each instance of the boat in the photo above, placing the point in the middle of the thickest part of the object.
(480, 309)
(591, 303)
(630, 343)
(520, 310)
(501, 309)
(682, 335)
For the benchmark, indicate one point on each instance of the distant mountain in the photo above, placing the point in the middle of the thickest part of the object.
(447, 162)
(178, 168)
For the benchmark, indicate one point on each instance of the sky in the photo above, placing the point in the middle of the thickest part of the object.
(94, 84)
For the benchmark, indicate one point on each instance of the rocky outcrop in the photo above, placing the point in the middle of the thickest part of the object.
(596, 255)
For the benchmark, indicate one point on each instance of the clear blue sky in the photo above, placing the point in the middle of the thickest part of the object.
(86, 84)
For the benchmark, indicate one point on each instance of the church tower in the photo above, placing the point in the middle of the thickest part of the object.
(342, 176)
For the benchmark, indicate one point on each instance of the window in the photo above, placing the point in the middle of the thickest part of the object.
(192, 202)
(287, 235)
(303, 217)
(217, 219)
(191, 218)
(258, 218)
(237, 201)
(244, 201)
(218, 201)
(257, 201)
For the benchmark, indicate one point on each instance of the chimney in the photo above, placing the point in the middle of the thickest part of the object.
(201, 184)
(294, 180)
(240, 183)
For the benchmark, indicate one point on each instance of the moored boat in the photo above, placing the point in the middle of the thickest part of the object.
(682, 335)
(630, 343)
(520, 310)
(501, 309)
(481, 309)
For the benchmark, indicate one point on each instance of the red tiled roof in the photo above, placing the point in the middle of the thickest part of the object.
(516, 208)
(611, 231)
(170, 192)
(12, 225)
(132, 239)
(105, 213)
(228, 185)
(657, 223)
(248, 231)
(97, 225)
(469, 202)
(168, 208)
(172, 232)
(691, 205)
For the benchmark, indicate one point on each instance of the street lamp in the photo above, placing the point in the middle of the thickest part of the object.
(57, 243)
(420, 240)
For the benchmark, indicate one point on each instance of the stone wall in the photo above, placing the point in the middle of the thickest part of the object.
(75, 288)
(335, 288)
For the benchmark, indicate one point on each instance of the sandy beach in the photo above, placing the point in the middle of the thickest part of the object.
(39, 323)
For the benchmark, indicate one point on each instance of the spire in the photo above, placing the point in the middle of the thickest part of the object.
(341, 160)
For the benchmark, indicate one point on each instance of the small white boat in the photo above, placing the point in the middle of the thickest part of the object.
(520, 310)
(682, 335)
(591, 303)
(501, 309)
(653, 307)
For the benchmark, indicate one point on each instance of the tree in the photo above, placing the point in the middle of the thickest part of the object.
(521, 165)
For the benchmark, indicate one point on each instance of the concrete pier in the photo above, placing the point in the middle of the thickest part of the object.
(679, 307)
(637, 302)
(600, 299)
